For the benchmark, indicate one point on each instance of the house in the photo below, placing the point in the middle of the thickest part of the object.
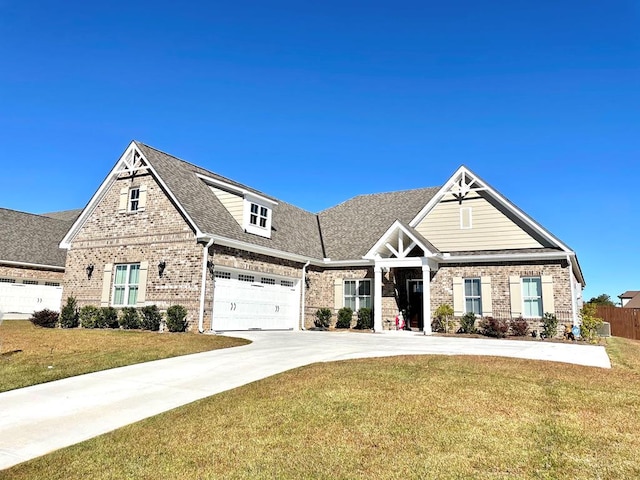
(630, 299)
(31, 261)
(162, 231)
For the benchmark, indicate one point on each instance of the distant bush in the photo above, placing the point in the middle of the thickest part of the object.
(150, 318)
(69, 316)
(494, 327)
(323, 318)
(90, 317)
(443, 319)
(365, 322)
(519, 327)
(345, 315)
(177, 318)
(109, 317)
(468, 323)
(549, 325)
(45, 318)
(129, 319)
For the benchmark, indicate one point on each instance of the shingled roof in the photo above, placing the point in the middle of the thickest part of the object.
(294, 230)
(32, 239)
(350, 229)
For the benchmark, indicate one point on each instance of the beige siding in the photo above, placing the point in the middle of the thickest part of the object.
(232, 202)
(490, 228)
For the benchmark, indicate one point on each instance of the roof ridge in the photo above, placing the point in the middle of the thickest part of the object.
(39, 215)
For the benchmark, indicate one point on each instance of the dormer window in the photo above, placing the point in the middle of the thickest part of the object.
(259, 215)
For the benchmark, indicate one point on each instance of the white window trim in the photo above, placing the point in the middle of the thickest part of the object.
(133, 201)
(465, 296)
(126, 285)
(524, 315)
(356, 296)
(255, 228)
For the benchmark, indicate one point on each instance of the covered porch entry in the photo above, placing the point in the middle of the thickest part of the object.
(403, 260)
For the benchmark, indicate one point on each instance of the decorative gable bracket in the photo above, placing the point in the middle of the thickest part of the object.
(398, 242)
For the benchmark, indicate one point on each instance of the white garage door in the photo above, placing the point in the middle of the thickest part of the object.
(251, 301)
(26, 299)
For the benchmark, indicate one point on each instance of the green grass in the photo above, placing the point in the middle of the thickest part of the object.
(31, 355)
(404, 417)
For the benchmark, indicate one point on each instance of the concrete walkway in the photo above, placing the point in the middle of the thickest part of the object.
(39, 419)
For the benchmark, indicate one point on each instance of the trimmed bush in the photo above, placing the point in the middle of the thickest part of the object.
(109, 317)
(45, 318)
(345, 315)
(494, 327)
(468, 323)
(150, 318)
(323, 318)
(177, 318)
(129, 319)
(90, 317)
(365, 321)
(549, 326)
(519, 327)
(69, 317)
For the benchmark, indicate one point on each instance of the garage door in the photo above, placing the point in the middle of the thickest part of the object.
(26, 299)
(253, 301)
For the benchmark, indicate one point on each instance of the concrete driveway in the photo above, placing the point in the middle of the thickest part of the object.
(39, 419)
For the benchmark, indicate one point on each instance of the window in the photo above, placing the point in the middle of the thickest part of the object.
(268, 281)
(125, 284)
(134, 199)
(532, 297)
(52, 284)
(357, 294)
(30, 282)
(225, 275)
(286, 283)
(472, 296)
(7, 280)
(259, 215)
(246, 278)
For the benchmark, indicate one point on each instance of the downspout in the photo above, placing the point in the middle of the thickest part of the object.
(574, 299)
(205, 256)
(303, 283)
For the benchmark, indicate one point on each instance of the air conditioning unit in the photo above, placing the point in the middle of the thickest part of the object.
(605, 329)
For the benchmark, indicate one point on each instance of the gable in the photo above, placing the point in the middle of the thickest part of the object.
(473, 223)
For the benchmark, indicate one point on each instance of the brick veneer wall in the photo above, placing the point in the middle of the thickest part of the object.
(27, 273)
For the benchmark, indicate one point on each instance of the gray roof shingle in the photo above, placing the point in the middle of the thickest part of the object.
(350, 229)
(33, 239)
(293, 230)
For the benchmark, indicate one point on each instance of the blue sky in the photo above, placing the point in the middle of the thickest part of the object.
(315, 102)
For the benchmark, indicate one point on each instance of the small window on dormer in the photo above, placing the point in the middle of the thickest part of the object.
(259, 216)
(134, 199)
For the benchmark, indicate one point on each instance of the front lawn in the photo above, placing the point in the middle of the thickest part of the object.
(401, 417)
(31, 355)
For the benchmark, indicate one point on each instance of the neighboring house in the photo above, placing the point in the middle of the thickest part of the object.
(630, 299)
(31, 261)
(163, 231)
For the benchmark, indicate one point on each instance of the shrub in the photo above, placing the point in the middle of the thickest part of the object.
(365, 322)
(69, 314)
(177, 318)
(549, 325)
(109, 317)
(468, 323)
(590, 323)
(519, 327)
(90, 317)
(323, 318)
(129, 318)
(45, 318)
(494, 327)
(150, 318)
(443, 319)
(345, 315)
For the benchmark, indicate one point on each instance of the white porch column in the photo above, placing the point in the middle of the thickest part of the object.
(377, 299)
(426, 298)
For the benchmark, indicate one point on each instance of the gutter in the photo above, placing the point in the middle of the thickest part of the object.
(205, 255)
(33, 265)
(303, 289)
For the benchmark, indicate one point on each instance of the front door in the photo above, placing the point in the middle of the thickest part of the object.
(414, 289)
